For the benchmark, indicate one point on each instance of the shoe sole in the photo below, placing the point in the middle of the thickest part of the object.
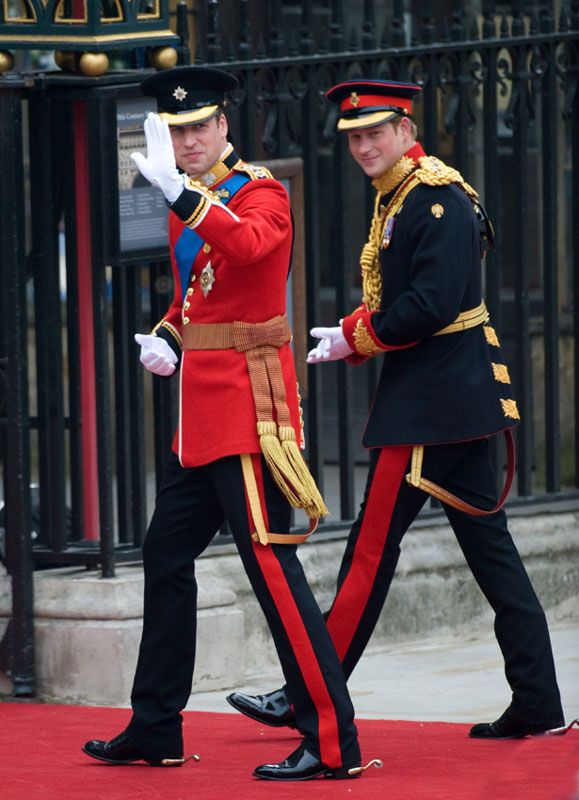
(255, 718)
(334, 775)
(546, 732)
(128, 762)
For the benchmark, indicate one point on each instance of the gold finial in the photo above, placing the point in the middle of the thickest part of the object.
(163, 57)
(93, 64)
(65, 59)
(6, 61)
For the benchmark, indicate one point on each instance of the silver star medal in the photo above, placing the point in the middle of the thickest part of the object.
(207, 279)
(180, 93)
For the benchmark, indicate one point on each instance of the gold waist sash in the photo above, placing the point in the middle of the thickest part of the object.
(261, 342)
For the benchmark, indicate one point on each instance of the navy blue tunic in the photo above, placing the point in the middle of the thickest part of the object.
(440, 389)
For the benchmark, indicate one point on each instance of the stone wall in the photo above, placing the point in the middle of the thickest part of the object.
(88, 628)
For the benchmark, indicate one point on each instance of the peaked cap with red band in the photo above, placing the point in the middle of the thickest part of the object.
(364, 104)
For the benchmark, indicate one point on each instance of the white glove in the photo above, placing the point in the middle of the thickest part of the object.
(156, 355)
(159, 167)
(332, 346)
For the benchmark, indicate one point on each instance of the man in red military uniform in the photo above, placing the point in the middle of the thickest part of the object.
(444, 390)
(236, 454)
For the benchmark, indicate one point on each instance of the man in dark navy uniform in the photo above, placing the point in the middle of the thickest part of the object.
(444, 390)
(236, 451)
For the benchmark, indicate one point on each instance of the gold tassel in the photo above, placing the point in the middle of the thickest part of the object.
(277, 462)
(312, 501)
(289, 469)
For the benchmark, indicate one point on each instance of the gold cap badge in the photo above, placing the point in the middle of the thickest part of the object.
(354, 100)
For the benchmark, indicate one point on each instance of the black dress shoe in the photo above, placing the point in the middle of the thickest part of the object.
(270, 709)
(302, 765)
(121, 750)
(511, 726)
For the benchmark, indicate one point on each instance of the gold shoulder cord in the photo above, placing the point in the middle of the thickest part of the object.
(369, 257)
(432, 172)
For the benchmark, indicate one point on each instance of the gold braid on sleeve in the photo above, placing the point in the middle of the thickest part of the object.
(370, 261)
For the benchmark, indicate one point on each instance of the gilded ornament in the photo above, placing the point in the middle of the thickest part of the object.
(491, 336)
(501, 373)
(354, 100)
(510, 409)
(65, 60)
(365, 344)
(437, 210)
(93, 64)
(163, 57)
(6, 61)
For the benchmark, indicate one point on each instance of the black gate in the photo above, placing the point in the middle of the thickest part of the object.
(80, 418)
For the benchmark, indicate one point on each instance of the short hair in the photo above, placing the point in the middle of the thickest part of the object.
(413, 126)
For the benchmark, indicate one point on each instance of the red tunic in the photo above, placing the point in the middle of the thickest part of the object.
(249, 251)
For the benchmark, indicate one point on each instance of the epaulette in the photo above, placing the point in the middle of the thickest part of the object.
(434, 172)
(254, 171)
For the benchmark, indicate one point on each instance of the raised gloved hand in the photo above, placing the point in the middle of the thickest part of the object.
(156, 355)
(159, 167)
(332, 345)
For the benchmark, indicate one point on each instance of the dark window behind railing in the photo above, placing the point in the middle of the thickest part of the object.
(500, 103)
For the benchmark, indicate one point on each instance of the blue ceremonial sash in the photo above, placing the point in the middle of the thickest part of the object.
(190, 243)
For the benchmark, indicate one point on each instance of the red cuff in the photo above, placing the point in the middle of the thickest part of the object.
(360, 334)
(362, 338)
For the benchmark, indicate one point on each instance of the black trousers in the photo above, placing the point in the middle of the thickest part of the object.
(191, 506)
(389, 507)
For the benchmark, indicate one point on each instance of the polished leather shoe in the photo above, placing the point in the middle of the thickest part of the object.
(121, 750)
(302, 765)
(270, 709)
(511, 726)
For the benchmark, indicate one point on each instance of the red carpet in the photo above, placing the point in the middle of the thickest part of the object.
(40, 759)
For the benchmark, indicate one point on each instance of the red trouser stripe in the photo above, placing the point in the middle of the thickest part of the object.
(354, 593)
(292, 621)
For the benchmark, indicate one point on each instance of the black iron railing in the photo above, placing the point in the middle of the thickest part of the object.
(500, 102)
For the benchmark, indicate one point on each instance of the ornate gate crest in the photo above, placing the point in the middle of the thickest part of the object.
(81, 31)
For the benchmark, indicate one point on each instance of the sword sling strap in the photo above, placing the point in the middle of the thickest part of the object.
(414, 478)
(260, 534)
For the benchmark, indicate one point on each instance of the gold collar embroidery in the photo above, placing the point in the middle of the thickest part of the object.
(218, 171)
(392, 177)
